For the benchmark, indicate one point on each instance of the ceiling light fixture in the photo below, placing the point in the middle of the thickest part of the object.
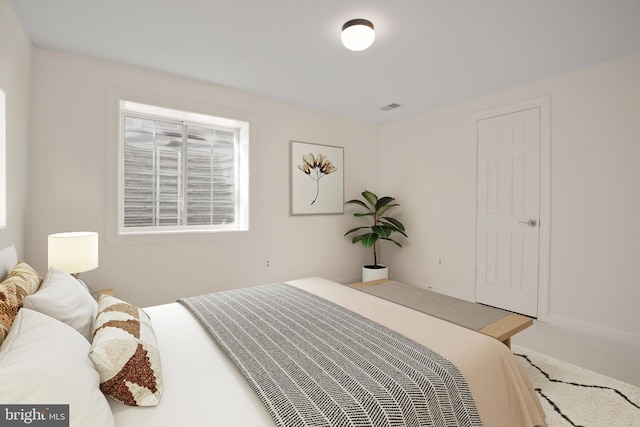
(357, 34)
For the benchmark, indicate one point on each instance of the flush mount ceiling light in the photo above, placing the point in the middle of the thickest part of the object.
(357, 34)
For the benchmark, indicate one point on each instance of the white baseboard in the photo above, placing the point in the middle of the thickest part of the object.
(573, 325)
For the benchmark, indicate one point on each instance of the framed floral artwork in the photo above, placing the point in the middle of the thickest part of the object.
(317, 179)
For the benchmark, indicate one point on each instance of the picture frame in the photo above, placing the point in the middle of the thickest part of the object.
(317, 178)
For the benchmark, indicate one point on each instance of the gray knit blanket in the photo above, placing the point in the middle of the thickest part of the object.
(315, 363)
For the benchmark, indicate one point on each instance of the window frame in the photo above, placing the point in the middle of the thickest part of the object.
(129, 106)
(3, 159)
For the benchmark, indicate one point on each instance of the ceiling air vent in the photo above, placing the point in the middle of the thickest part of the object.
(390, 107)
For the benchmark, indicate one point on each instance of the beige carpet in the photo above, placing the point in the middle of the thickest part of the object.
(467, 314)
(574, 396)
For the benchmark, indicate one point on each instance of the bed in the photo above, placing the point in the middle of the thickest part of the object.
(199, 375)
(202, 386)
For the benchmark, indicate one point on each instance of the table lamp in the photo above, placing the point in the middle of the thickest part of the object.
(74, 252)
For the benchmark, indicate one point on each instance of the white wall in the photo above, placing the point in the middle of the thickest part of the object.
(427, 163)
(72, 140)
(15, 65)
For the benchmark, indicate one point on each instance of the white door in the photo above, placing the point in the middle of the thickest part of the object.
(508, 211)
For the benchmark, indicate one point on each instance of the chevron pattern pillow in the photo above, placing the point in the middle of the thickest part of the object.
(125, 352)
(20, 282)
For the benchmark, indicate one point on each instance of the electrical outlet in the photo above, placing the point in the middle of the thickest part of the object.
(267, 263)
(440, 260)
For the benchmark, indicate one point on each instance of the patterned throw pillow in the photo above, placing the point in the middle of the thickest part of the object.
(125, 352)
(22, 281)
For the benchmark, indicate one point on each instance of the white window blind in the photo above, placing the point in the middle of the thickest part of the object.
(179, 174)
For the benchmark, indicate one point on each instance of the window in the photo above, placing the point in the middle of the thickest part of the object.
(181, 171)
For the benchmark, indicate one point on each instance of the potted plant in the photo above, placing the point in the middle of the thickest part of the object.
(382, 228)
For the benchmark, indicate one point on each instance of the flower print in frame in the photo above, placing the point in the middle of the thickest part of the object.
(317, 179)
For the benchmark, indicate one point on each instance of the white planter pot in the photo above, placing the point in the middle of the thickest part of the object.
(369, 274)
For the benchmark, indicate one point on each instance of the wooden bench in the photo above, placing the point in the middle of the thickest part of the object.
(505, 328)
(502, 329)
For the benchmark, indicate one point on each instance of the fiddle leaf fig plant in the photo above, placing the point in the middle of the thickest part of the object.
(381, 225)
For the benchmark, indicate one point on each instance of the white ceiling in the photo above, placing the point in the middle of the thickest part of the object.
(427, 54)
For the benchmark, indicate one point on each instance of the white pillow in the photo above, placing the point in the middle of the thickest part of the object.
(8, 260)
(44, 361)
(62, 297)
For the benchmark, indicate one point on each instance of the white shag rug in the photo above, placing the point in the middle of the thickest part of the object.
(574, 396)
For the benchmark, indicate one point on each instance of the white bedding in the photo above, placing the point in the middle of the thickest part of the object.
(204, 388)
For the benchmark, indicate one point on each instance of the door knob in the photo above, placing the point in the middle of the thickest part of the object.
(529, 222)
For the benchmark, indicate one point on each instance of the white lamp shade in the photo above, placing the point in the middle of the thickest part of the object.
(358, 34)
(74, 252)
